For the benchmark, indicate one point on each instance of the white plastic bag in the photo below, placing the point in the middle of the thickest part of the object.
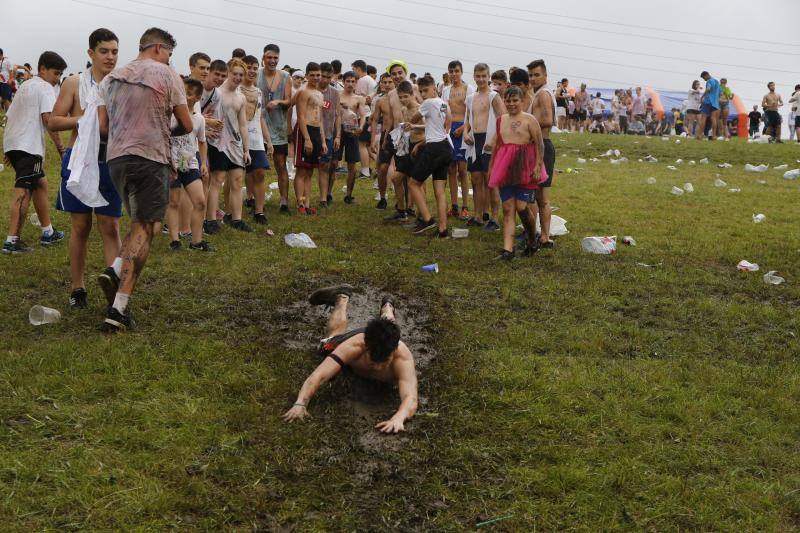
(719, 183)
(725, 165)
(703, 161)
(746, 266)
(755, 168)
(771, 278)
(600, 245)
(688, 187)
(580, 161)
(670, 167)
(273, 186)
(677, 191)
(299, 240)
(650, 159)
(650, 181)
(759, 218)
(792, 174)
(781, 167)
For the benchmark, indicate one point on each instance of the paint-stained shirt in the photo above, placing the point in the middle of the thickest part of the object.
(139, 98)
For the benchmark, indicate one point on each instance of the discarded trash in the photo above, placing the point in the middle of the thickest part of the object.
(725, 165)
(781, 167)
(620, 160)
(460, 233)
(493, 520)
(588, 144)
(747, 266)
(650, 266)
(34, 219)
(40, 315)
(762, 182)
(772, 279)
(664, 138)
(678, 161)
(2, 168)
(650, 159)
(299, 240)
(594, 160)
(269, 233)
(274, 185)
(764, 139)
(600, 245)
(616, 153)
(433, 267)
(670, 167)
(692, 162)
(344, 188)
(688, 187)
(792, 174)
(580, 161)
(677, 141)
(651, 180)
(719, 183)
(630, 241)
(755, 168)
(268, 196)
(759, 218)
(703, 161)
(377, 196)
(558, 226)
(569, 170)
(677, 191)
(734, 190)
(684, 134)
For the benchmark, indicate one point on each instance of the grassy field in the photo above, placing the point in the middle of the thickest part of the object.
(570, 391)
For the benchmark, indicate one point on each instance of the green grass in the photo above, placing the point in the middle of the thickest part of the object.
(571, 390)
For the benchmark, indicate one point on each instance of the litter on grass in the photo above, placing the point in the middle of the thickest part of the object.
(688, 187)
(703, 161)
(580, 161)
(600, 245)
(650, 159)
(735, 190)
(678, 161)
(670, 167)
(651, 180)
(759, 218)
(618, 161)
(650, 266)
(755, 168)
(692, 162)
(746, 266)
(725, 165)
(781, 167)
(719, 183)
(299, 240)
(792, 174)
(677, 191)
(274, 185)
(772, 279)
(630, 241)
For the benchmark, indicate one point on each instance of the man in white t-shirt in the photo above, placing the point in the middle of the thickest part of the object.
(6, 76)
(23, 144)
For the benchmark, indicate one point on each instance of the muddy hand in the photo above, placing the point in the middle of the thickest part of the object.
(390, 426)
(298, 412)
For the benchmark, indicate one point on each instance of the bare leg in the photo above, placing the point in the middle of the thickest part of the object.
(185, 212)
(235, 179)
(41, 203)
(545, 212)
(173, 214)
(258, 186)
(279, 160)
(324, 178)
(337, 322)
(509, 219)
(363, 151)
(217, 179)
(494, 201)
(109, 233)
(417, 192)
(452, 181)
(134, 253)
(399, 181)
(441, 203)
(464, 181)
(351, 178)
(78, 245)
(194, 191)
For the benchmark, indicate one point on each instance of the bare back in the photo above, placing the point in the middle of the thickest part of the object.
(357, 358)
(69, 103)
(544, 111)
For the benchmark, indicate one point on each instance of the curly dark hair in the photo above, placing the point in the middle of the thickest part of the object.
(381, 337)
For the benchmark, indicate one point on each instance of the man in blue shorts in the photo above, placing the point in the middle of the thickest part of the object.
(709, 108)
(455, 95)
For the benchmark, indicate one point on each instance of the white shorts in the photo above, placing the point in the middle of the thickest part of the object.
(561, 112)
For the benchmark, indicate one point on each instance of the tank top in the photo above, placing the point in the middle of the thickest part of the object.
(230, 142)
(275, 118)
(254, 132)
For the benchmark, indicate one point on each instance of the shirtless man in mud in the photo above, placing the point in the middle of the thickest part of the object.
(374, 352)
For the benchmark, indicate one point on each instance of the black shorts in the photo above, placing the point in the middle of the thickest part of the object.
(366, 135)
(183, 179)
(481, 162)
(581, 115)
(5, 92)
(773, 118)
(387, 151)
(349, 149)
(28, 169)
(405, 163)
(143, 186)
(279, 149)
(549, 162)
(327, 346)
(218, 161)
(301, 159)
(796, 122)
(433, 159)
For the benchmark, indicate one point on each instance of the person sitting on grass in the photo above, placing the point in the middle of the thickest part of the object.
(374, 352)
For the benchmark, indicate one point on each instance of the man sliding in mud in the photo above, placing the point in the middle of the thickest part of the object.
(375, 352)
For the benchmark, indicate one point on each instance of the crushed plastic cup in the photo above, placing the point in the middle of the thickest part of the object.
(735, 190)
(594, 160)
(274, 185)
(781, 167)
(746, 266)
(650, 159)
(762, 182)
(580, 161)
(703, 161)
(771, 278)
(764, 139)
(677, 141)
(792, 174)
(670, 167)
(688, 187)
(600, 245)
(725, 165)
(34, 219)
(40, 315)
(619, 161)
(2, 167)
(630, 241)
(759, 218)
(719, 183)
(650, 181)
(299, 240)
(616, 153)
(433, 268)
(755, 168)
(692, 162)
(460, 233)
(677, 191)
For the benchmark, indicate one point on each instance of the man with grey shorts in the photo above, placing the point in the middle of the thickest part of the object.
(138, 101)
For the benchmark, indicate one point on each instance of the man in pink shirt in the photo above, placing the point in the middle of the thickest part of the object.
(138, 101)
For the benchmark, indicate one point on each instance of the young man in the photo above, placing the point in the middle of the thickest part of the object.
(456, 95)
(190, 157)
(365, 87)
(795, 101)
(7, 70)
(755, 120)
(709, 109)
(725, 98)
(308, 140)
(374, 352)
(23, 144)
(562, 103)
(544, 112)
(331, 120)
(353, 118)
(581, 107)
(771, 102)
(433, 156)
(138, 101)
(277, 93)
(499, 82)
(638, 106)
(259, 140)
(480, 119)
(209, 107)
(77, 93)
(405, 163)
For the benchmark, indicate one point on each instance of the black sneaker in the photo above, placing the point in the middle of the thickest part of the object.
(250, 203)
(492, 225)
(474, 222)
(327, 295)
(381, 204)
(505, 255)
(323, 205)
(547, 244)
(201, 246)
(187, 236)
(443, 235)
(116, 321)
(227, 219)
(486, 217)
(165, 228)
(284, 210)
(241, 225)
(348, 199)
(77, 299)
(398, 216)
(109, 283)
(411, 213)
(17, 247)
(530, 250)
(211, 227)
(422, 227)
(175, 246)
(260, 218)
(329, 199)
(54, 237)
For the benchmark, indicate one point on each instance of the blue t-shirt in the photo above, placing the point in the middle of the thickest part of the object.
(711, 97)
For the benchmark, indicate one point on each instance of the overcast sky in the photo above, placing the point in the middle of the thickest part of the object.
(748, 41)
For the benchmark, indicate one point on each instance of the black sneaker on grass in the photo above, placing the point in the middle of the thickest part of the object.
(530, 250)
(175, 246)
(54, 237)
(329, 199)
(398, 216)
(165, 228)
(260, 218)
(116, 321)
(227, 219)
(17, 247)
(201, 246)
(109, 283)
(443, 234)
(327, 295)
(422, 227)
(284, 210)
(381, 204)
(250, 203)
(210, 227)
(505, 255)
(241, 225)
(348, 199)
(77, 299)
